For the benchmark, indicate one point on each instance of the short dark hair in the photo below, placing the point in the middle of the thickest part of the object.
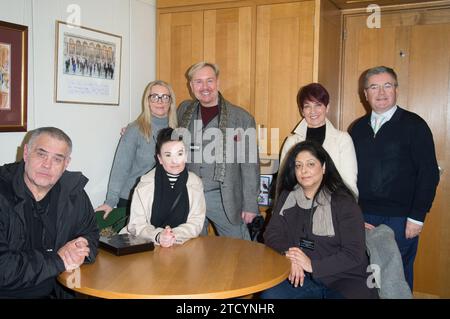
(378, 70)
(332, 180)
(53, 132)
(165, 135)
(312, 92)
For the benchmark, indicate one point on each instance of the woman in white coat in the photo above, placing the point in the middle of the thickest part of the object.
(313, 103)
(168, 204)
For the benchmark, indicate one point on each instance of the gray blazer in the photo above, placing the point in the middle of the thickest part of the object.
(240, 185)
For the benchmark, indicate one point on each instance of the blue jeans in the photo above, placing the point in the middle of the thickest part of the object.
(407, 247)
(311, 289)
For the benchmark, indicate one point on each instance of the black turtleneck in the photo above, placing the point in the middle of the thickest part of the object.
(316, 134)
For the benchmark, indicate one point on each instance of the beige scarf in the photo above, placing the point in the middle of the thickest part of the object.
(322, 218)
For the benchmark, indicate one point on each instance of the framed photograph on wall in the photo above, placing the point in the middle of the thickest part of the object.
(13, 77)
(87, 69)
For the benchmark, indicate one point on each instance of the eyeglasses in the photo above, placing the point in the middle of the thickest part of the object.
(386, 86)
(164, 98)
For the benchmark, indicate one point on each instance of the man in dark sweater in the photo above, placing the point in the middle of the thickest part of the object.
(397, 168)
(47, 223)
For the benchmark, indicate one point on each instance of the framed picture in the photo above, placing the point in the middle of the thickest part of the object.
(13, 77)
(87, 69)
(264, 190)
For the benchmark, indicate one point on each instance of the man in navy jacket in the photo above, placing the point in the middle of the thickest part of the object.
(397, 168)
(47, 223)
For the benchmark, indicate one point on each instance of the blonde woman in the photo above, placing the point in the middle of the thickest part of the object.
(135, 155)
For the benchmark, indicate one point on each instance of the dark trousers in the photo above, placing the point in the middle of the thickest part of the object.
(311, 289)
(407, 247)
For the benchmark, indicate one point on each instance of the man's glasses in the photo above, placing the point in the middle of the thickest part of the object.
(386, 86)
(164, 98)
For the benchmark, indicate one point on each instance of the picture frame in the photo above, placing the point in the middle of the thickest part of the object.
(13, 77)
(87, 65)
(264, 190)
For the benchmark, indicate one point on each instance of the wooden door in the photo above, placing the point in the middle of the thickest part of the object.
(180, 44)
(417, 45)
(228, 42)
(284, 63)
(429, 96)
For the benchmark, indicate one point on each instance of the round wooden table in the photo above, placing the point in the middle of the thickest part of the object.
(204, 267)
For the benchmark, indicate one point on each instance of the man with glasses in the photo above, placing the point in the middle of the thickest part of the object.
(47, 224)
(223, 153)
(397, 168)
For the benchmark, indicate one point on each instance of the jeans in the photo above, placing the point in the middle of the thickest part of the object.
(311, 289)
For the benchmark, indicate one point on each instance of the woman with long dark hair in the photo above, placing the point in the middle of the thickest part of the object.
(318, 225)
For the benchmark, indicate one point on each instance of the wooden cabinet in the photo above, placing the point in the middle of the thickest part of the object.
(266, 51)
(222, 36)
(179, 45)
(284, 59)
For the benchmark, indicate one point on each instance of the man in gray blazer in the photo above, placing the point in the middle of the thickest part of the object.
(223, 152)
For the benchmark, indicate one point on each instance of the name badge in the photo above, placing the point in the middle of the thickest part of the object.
(194, 147)
(306, 243)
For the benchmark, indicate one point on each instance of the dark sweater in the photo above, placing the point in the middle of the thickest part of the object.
(339, 261)
(397, 170)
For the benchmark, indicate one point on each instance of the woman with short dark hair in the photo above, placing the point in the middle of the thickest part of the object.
(313, 104)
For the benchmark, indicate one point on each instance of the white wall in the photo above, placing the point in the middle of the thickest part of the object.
(94, 129)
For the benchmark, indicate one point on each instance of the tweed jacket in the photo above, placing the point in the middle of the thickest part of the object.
(240, 185)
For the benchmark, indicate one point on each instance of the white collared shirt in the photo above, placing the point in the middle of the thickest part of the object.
(386, 116)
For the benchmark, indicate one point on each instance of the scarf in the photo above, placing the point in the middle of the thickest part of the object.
(322, 218)
(219, 168)
(170, 205)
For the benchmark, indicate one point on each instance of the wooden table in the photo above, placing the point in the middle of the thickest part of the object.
(204, 267)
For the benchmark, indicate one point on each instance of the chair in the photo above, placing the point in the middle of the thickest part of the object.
(385, 259)
(115, 221)
(255, 228)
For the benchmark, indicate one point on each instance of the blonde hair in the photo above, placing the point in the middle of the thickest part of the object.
(144, 120)
(194, 68)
